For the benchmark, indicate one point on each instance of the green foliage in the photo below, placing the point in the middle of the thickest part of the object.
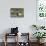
(35, 27)
(40, 27)
(39, 35)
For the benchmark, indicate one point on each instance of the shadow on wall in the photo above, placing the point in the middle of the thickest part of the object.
(32, 30)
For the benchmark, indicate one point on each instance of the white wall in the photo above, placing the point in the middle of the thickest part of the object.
(23, 23)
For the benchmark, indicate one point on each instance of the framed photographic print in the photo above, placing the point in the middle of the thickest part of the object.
(17, 12)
